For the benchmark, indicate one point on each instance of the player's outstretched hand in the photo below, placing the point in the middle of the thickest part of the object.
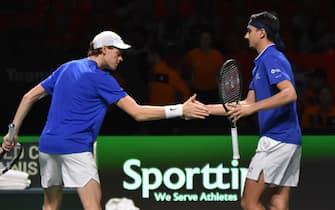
(193, 109)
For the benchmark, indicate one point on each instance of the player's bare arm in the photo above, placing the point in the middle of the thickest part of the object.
(216, 109)
(251, 98)
(189, 110)
(27, 101)
(285, 95)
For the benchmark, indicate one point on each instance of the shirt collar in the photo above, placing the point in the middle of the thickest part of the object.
(260, 54)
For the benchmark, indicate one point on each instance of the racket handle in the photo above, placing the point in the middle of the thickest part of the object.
(236, 153)
(11, 131)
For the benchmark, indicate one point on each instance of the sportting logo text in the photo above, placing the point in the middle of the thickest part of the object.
(213, 178)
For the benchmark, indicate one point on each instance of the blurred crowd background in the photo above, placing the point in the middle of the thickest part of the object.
(178, 48)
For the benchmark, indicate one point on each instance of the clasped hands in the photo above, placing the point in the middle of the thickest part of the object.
(237, 111)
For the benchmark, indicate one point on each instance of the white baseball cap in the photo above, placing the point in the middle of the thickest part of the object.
(109, 38)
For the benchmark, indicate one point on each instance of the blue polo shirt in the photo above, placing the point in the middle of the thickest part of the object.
(81, 94)
(280, 123)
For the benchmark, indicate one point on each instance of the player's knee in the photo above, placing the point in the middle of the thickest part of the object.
(248, 205)
(53, 204)
(278, 206)
(50, 206)
(92, 207)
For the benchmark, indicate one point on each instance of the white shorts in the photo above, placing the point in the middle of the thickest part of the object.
(70, 170)
(280, 163)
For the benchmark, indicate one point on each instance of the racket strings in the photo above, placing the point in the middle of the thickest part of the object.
(229, 87)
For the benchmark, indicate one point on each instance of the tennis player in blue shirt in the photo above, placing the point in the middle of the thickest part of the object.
(82, 91)
(275, 166)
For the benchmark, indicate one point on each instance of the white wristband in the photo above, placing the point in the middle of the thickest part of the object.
(172, 111)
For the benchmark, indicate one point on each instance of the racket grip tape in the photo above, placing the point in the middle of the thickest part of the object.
(11, 132)
(236, 153)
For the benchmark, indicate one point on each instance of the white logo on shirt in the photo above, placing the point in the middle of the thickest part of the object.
(273, 71)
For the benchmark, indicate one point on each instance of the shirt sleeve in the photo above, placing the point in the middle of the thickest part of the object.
(49, 83)
(275, 70)
(110, 90)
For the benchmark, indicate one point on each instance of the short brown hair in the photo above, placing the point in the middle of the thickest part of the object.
(92, 51)
(97, 51)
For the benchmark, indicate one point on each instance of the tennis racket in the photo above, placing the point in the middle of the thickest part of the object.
(230, 89)
(9, 158)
